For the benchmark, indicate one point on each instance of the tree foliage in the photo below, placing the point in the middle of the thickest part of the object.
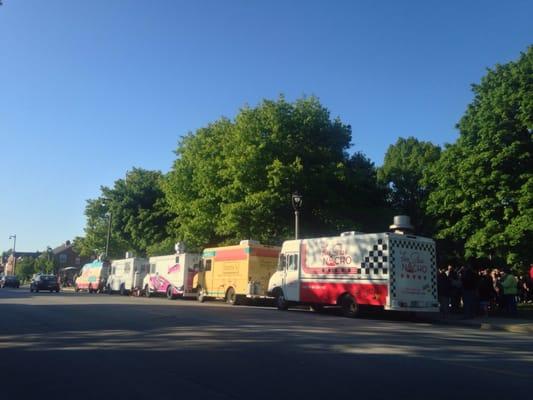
(233, 179)
(140, 217)
(484, 182)
(402, 172)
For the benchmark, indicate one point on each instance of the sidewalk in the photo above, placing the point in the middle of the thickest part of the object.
(521, 323)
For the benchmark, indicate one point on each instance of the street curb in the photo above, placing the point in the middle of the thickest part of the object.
(513, 328)
(521, 328)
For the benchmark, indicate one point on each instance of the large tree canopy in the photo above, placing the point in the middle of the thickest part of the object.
(484, 182)
(233, 180)
(140, 218)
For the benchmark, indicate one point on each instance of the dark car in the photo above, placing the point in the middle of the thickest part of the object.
(44, 282)
(9, 280)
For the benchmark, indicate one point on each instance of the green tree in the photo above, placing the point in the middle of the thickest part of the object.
(233, 180)
(402, 172)
(25, 268)
(140, 217)
(484, 182)
(44, 264)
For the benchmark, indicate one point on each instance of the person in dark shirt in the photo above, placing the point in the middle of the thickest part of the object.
(444, 287)
(469, 284)
(486, 291)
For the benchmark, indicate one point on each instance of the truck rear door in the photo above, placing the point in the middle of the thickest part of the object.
(413, 277)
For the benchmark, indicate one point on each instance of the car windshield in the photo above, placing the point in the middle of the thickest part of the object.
(48, 278)
(11, 278)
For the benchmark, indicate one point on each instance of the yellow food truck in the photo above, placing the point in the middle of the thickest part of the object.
(236, 273)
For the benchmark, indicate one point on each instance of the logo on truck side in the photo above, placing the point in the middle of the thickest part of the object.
(413, 265)
(336, 255)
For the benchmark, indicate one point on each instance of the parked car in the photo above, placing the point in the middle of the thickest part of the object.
(9, 280)
(44, 282)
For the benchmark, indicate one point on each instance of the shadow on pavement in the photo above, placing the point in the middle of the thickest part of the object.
(146, 349)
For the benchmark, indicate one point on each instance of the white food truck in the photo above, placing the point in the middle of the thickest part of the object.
(172, 275)
(391, 270)
(127, 275)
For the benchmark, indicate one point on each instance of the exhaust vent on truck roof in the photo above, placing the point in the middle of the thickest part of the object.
(248, 242)
(402, 224)
(351, 233)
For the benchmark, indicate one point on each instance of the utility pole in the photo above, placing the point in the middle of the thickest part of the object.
(108, 234)
(14, 237)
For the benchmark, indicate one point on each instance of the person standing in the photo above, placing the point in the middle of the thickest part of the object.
(498, 290)
(510, 288)
(455, 290)
(444, 287)
(469, 284)
(486, 291)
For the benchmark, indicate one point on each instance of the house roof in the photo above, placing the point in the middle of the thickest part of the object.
(60, 249)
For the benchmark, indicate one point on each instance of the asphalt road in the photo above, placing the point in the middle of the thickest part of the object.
(81, 346)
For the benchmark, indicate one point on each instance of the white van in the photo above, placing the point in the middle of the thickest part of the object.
(172, 275)
(127, 275)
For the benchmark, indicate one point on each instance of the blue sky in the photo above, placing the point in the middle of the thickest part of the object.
(90, 89)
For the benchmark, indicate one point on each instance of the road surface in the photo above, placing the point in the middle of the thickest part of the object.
(91, 346)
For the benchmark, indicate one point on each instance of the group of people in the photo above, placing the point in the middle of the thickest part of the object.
(478, 292)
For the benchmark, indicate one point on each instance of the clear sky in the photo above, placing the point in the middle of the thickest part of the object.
(90, 89)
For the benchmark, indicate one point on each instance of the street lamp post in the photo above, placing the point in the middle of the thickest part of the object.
(297, 200)
(108, 234)
(14, 237)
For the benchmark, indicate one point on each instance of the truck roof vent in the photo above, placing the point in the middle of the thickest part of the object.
(351, 233)
(248, 242)
(401, 224)
(128, 254)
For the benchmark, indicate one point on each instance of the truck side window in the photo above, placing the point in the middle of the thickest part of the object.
(281, 262)
(293, 262)
(208, 265)
(152, 268)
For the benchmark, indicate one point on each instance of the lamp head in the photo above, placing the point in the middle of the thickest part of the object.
(297, 201)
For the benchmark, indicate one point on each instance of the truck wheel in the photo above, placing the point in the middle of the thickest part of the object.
(201, 297)
(76, 289)
(170, 293)
(231, 297)
(318, 308)
(122, 290)
(90, 289)
(281, 302)
(147, 291)
(350, 308)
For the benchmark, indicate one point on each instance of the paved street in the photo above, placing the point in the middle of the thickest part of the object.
(83, 346)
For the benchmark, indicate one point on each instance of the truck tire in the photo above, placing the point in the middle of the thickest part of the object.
(90, 288)
(281, 302)
(147, 292)
(318, 308)
(231, 297)
(170, 293)
(76, 288)
(350, 308)
(122, 290)
(201, 296)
